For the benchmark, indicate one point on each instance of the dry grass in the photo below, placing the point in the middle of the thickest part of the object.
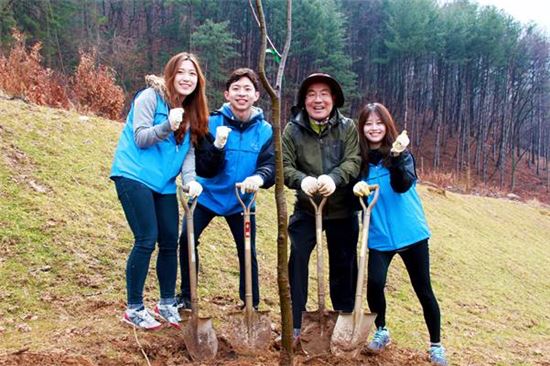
(64, 242)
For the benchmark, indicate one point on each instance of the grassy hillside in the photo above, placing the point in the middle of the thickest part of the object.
(64, 243)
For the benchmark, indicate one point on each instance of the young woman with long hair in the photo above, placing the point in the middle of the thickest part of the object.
(398, 224)
(155, 146)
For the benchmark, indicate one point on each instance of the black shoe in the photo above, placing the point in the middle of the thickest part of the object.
(254, 306)
(183, 302)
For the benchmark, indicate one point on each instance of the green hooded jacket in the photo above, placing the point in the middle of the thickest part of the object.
(334, 152)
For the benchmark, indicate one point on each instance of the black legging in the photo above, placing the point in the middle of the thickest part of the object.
(417, 261)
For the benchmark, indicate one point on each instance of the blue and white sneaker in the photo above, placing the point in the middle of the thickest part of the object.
(380, 340)
(140, 318)
(437, 356)
(295, 339)
(169, 313)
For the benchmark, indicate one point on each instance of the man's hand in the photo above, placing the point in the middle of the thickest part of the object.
(309, 185)
(195, 189)
(222, 132)
(326, 185)
(175, 117)
(400, 144)
(251, 184)
(361, 189)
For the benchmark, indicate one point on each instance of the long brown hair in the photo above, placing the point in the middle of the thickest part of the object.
(391, 133)
(195, 104)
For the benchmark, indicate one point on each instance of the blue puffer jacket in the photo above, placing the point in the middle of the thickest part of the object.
(156, 166)
(397, 219)
(249, 151)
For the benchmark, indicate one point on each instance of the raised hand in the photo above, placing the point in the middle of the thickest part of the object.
(400, 143)
(222, 132)
(175, 117)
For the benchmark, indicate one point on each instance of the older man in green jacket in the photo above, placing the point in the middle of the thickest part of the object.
(321, 157)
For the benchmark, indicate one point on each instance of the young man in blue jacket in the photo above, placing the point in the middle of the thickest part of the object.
(249, 159)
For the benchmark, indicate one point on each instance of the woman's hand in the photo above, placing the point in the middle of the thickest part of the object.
(361, 189)
(400, 144)
(175, 117)
(195, 189)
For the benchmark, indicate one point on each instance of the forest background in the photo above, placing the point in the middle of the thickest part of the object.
(470, 83)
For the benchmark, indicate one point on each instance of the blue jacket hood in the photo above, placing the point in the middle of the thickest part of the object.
(257, 113)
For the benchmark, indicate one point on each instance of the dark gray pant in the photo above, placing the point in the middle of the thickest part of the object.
(341, 240)
(201, 219)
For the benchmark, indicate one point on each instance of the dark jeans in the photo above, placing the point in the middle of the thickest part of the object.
(342, 254)
(201, 218)
(417, 261)
(153, 218)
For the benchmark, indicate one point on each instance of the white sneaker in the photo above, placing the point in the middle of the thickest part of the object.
(140, 318)
(169, 313)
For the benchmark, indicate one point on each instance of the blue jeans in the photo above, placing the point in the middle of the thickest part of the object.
(153, 218)
(201, 218)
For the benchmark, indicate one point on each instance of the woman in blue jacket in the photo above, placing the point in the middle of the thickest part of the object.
(156, 144)
(398, 224)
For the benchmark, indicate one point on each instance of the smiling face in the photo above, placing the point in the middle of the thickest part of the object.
(319, 101)
(374, 130)
(186, 78)
(241, 96)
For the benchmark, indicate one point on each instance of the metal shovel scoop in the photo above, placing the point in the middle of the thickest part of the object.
(351, 330)
(250, 330)
(198, 334)
(317, 326)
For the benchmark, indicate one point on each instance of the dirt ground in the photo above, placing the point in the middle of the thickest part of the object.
(104, 340)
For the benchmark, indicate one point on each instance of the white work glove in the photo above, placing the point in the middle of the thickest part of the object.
(309, 185)
(326, 185)
(222, 132)
(251, 184)
(400, 144)
(175, 117)
(194, 189)
(361, 189)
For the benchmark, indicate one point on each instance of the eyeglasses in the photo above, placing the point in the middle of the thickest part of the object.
(324, 95)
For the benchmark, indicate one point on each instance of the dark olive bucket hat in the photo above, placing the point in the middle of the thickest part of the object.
(319, 77)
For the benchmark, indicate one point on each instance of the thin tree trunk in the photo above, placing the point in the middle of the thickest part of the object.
(286, 355)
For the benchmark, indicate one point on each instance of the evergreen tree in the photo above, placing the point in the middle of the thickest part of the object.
(214, 43)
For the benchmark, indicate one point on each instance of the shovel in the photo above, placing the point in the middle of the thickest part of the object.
(351, 330)
(317, 325)
(250, 330)
(198, 335)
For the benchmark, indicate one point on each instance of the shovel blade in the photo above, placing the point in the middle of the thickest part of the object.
(316, 332)
(200, 339)
(249, 339)
(350, 334)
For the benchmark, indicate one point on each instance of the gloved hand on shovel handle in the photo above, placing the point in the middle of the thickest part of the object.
(361, 189)
(309, 185)
(400, 144)
(194, 189)
(326, 185)
(251, 184)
